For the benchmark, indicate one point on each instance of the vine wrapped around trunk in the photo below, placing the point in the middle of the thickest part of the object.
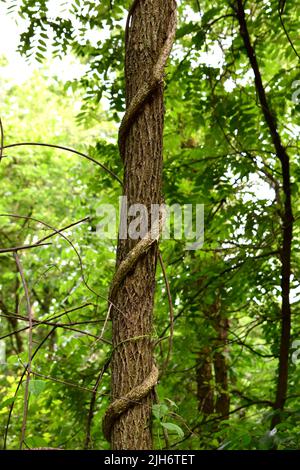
(150, 33)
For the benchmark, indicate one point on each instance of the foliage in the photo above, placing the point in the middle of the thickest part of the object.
(219, 152)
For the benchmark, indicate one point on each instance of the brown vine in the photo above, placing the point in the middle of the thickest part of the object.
(143, 94)
(133, 397)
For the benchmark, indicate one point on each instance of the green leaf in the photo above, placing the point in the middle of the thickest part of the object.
(172, 403)
(173, 427)
(7, 402)
(37, 386)
(186, 29)
(36, 441)
(160, 410)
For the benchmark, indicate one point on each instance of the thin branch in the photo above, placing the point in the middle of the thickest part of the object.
(66, 312)
(105, 323)
(218, 418)
(286, 33)
(21, 248)
(231, 268)
(171, 310)
(129, 16)
(20, 383)
(67, 149)
(92, 404)
(39, 242)
(1, 139)
(85, 219)
(49, 321)
(216, 20)
(251, 400)
(28, 371)
(12, 319)
(58, 232)
(61, 381)
(73, 323)
(57, 325)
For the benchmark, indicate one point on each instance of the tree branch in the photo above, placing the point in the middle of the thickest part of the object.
(28, 371)
(67, 149)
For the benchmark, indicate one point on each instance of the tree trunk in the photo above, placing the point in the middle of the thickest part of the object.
(221, 325)
(287, 219)
(149, 36)
(204, 376)
(212, 389)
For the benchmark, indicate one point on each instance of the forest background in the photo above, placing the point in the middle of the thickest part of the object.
(226, 329)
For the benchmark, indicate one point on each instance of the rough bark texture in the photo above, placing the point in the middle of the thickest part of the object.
(221, 368)
(287, 218)
(205, 391)
(148, 30)
(212, 369)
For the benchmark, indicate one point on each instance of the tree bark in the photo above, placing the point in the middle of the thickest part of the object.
(287, 219)
(212, 389)
(221, 377)
(204, 376)
(149, 35)
(221, 325)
